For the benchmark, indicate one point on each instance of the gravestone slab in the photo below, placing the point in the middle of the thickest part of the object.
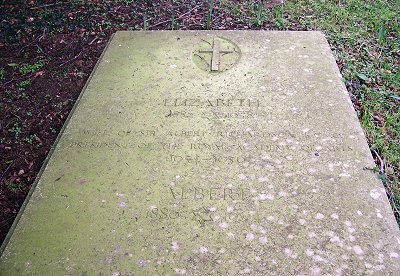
(209, 153)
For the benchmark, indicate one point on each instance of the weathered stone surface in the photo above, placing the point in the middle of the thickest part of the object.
(209, 153)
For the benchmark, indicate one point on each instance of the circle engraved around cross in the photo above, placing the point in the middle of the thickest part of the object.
(216, 55)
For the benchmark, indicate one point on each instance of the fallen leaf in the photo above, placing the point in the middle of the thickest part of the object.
(362, 76)
(39, 74)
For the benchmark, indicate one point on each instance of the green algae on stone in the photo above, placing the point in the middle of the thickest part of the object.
(187, 156)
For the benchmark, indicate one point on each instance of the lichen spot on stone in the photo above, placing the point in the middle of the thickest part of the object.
(358, 250)
(309, 252)
(374, 194)
(245, 271)
(180, 271)
(262, 179)
(263, 240)
(175, 245)
(249, 236)
(319, 216)
(315, 270)
(203, 250)
(223, 225)
(266, 196)
(394, 255)
(344, 174)
(289, 253)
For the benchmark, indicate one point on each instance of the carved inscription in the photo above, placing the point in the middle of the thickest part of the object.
(212, 193)
(193, 102)
(266, 151)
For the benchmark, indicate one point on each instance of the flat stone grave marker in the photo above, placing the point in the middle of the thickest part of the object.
(209, 153)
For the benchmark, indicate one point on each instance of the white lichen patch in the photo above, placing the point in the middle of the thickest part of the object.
(374, 193)
(242, 176)
(352, 238)
(231, 235)
(302, 221)
(351, 230)
(175, 245)
(315, 270)
(336, 240)
(318, 258)
(282, 193)
(335, 216)
(309, 252)
(180, 271)
(266, 196)
(223, 225)
(319, 216)
(246, 271)
(358, 250)
(263, 240)
(262, 179)
(344, 174)
(312, 235)
(203, 249)
(394, 255)
(250, 236)
(173, 66)
(142, 263)
(289, 253)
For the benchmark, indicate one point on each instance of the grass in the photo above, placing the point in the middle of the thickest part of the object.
(209, 19)
(30, 68)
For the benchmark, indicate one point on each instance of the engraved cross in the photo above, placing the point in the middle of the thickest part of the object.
(215, 54)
